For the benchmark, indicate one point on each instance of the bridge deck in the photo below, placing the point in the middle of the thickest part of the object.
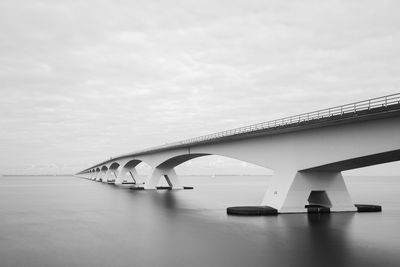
(386, 106)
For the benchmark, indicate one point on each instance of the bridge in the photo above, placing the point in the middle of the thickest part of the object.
(307, 152)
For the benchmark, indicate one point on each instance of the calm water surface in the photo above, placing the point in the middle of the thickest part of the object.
(69, 221)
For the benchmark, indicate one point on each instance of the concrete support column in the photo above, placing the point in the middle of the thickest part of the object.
(107, 175)
(291, 191)
(100, 178)
(121, 175)
(133, 176)
(127, 174)
(169, 175)
(114, 174)
(111, 175)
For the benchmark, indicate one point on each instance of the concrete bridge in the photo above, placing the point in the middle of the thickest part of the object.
(307, 152)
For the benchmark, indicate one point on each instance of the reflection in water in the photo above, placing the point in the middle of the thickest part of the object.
(66, 221)
(312, 239)
(328, 239)
(167, 199)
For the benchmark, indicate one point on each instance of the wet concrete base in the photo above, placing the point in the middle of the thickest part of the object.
(268, 211)
(317, 209)
(252, 211)
(360, 208)
(368, 208)
(161, 188)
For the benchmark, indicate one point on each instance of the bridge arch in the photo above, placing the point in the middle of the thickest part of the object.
(131, 163)
(104, 168)
(179, 159)
(166, 168)
(114, 165)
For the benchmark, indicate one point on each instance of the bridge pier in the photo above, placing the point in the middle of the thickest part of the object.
(106, 175)
(110, 175)
(131, 173)
(168, 173)
(290, 192)
(100, 178)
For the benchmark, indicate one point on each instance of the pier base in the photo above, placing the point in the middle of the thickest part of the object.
(162, 188)
(268, 211)
(252, 211)
(368, 208)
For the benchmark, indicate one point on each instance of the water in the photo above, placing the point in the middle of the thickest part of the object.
(68, 221)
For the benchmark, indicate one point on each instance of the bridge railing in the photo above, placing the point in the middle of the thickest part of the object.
(355, 107)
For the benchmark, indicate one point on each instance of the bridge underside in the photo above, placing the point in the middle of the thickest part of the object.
(359, 162)
(290, 191)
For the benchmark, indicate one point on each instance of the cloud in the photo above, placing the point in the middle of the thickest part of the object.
(83, 81)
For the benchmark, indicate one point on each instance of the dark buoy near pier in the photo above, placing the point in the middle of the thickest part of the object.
(268, 211)
(161, 188)
(137, 188)
(368, 208)
(252, 211)
(170, 188)
(317, 209)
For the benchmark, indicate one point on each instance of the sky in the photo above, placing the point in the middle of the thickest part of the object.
(81, 81)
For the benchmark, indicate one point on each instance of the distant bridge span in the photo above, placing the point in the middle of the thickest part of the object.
(307, 152)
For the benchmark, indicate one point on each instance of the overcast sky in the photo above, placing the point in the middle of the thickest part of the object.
(81, 81)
